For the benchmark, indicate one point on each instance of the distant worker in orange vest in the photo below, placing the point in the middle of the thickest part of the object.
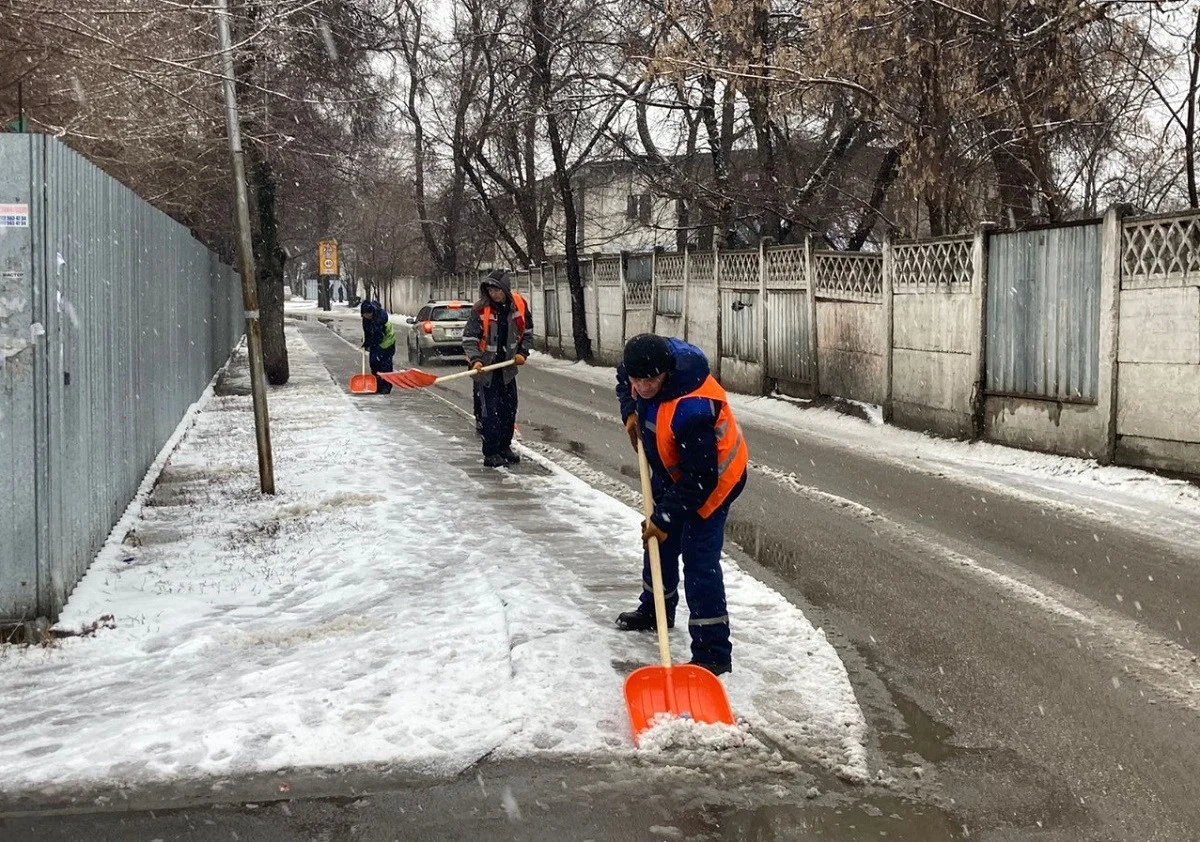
(698, 462)
(499, 328)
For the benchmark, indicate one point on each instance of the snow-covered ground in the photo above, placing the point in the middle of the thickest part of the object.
(1166, 508)
(376, 611)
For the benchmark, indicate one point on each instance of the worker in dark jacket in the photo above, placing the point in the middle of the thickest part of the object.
(379, 339)
(499, 328)
(698, 462)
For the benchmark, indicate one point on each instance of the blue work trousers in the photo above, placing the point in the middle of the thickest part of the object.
(699, 542)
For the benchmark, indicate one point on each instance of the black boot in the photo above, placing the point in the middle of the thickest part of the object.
(495, 460)
(509, 456)
(715, 669)
(640, 620)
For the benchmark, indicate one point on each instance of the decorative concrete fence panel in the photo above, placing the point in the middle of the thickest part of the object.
(1158, 402)
(936, 334)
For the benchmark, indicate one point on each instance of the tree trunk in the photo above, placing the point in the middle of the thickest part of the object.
(1189, 134)
(758, 96)
(269, 261)
(562, 180)
(720, 159)
(888, 170)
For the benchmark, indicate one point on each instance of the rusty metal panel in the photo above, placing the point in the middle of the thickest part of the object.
(1043, 331)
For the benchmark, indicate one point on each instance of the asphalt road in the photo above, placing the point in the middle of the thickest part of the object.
(1028, 669)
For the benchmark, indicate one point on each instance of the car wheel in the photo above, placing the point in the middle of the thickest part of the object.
(412, 354)
(420, 355)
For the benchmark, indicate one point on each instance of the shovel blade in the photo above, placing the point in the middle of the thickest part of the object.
(363, 384)
(410, 378)
(698, 694)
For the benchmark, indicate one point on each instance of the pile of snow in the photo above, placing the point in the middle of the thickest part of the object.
(668, 732)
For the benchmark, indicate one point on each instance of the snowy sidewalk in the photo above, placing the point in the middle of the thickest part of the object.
(395, 605)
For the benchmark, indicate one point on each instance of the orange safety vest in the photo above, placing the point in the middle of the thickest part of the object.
(732, 454)
(486, 316)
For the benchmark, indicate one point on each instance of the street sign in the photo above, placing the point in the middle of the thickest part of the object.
(327, 257)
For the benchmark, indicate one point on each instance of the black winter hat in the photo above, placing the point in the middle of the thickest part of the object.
(648, 354)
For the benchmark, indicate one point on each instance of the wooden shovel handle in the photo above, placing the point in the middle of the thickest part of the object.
(471, 372)
(660, 601)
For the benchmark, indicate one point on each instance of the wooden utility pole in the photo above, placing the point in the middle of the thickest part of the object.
(258, 389)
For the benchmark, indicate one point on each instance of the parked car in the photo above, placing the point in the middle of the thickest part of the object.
(436, 331)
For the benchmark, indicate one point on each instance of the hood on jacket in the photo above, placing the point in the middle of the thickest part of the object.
(691, 370)
(499, 279)
(375, 309)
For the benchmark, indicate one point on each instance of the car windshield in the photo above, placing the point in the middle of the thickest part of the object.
(448, 314)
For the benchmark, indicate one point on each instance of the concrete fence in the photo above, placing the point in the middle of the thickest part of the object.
(404, 295)
(113, 319)
(1156, 377)
(1080, 339)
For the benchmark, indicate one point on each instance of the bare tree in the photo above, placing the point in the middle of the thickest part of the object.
(135, 89)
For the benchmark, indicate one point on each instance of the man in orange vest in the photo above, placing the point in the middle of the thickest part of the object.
(499, 328)
(698, 462)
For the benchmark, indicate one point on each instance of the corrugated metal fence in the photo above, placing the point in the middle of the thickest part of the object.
(113, 319)
(790, 347)
(1043, 313)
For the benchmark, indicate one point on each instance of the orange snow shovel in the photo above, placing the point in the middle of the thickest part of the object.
(363, 384)
(685, 691)
(414, 378)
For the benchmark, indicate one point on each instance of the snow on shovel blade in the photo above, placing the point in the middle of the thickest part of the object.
(410, 378)
(685, 691)
(363, 384)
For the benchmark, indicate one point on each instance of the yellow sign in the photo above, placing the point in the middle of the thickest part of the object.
(327, 257)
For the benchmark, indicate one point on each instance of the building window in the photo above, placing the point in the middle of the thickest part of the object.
(637, 207)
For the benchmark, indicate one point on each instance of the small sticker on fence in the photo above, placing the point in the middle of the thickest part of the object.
(14, 216)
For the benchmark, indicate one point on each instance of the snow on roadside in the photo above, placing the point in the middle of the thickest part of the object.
(350, 620)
